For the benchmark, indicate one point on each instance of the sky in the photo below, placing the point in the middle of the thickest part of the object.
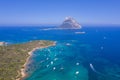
(36, 12)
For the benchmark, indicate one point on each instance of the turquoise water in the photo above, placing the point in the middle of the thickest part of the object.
(94, 55)
(59, 62)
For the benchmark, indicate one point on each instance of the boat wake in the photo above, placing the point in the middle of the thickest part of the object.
(104, 75)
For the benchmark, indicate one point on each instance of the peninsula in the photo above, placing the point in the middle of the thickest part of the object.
(13, 58)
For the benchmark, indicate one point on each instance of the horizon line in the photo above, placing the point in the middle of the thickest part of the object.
(40, 25)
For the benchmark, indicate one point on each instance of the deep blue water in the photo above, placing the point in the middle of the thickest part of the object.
(94, 55)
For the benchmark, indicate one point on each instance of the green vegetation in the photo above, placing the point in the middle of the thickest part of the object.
(12, 58)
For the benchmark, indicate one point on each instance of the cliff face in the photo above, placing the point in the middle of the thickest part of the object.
(70, 23)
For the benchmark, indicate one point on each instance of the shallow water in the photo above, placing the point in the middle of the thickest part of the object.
(59, 62)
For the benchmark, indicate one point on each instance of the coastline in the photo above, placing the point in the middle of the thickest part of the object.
(22, 70)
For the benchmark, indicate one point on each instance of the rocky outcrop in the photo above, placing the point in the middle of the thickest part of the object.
(70, 23)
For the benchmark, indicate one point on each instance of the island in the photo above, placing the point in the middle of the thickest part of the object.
(70, 23)
(14, 57)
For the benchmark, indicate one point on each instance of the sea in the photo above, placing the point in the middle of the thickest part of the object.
(90, 53)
